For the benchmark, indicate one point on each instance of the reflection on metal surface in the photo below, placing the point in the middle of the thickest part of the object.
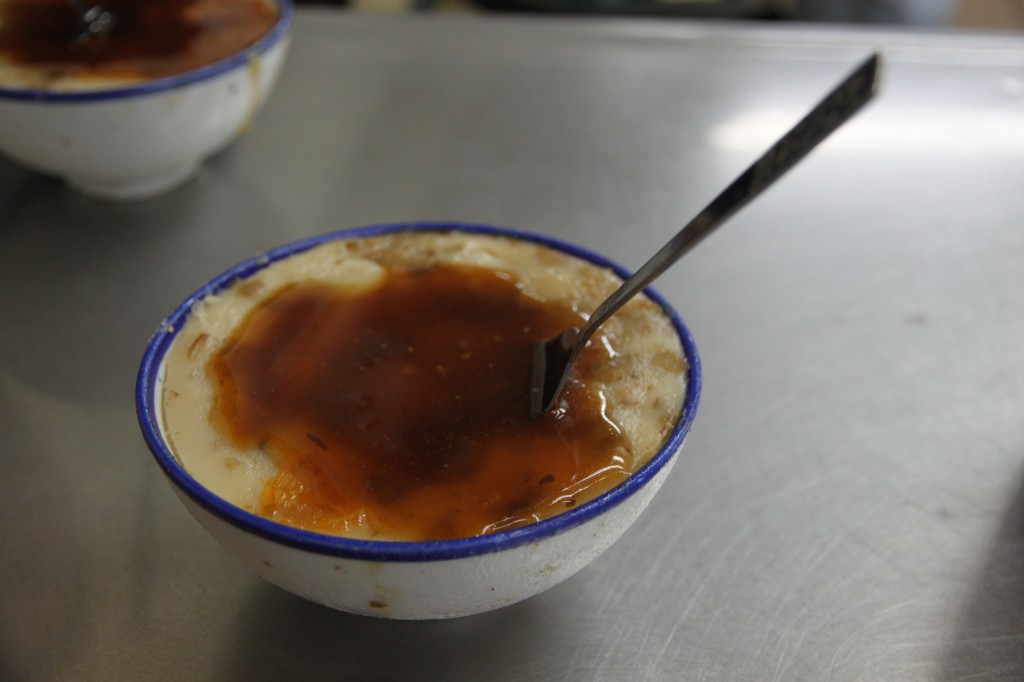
(949, 132)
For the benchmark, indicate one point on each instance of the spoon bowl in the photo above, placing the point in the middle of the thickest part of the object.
(95, 24)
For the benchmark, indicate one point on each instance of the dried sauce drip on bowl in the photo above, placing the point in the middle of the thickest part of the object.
(150, 39)
(406, 408)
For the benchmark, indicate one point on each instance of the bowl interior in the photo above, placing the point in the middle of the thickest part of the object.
(148, 407)
(273, 36)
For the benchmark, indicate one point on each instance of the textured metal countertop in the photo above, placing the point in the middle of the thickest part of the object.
(850, 504)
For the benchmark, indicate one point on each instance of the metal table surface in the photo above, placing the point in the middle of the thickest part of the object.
(850, 504)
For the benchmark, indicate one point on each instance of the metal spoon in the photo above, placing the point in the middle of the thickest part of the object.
(553, 359)
(95, 24)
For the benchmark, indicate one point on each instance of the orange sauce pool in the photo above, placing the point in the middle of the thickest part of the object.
(406, 409)
(149, 39)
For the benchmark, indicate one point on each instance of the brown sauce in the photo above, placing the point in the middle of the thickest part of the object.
(406, 409)
(149, 39)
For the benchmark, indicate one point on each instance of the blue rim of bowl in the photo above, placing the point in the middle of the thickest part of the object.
(392, 551)
(263, 44)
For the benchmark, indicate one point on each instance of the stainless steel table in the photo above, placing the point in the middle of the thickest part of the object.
(850, 505)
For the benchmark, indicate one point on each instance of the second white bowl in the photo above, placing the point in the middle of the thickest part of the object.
(142, 140)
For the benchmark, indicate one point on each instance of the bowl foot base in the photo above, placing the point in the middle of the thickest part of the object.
(135, 188)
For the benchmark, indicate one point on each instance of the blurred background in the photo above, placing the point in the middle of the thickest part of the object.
(940, 14)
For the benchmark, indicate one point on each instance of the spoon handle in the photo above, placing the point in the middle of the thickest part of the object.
(837, 107)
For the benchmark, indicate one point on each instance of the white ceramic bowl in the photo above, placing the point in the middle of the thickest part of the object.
(411, 580)
(142, 140)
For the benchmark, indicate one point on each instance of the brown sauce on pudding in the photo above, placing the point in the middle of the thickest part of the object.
(149, 39)
(406, 407)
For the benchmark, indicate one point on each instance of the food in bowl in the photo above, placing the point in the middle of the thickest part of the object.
(47, 44)
(379, 387)
(356, 409)
(131, 112)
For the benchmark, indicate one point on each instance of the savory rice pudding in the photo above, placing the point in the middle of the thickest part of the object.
(44, 44)
(378, 387)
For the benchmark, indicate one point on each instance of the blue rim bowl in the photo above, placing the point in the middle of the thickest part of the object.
(148, 387)
(149, 87)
